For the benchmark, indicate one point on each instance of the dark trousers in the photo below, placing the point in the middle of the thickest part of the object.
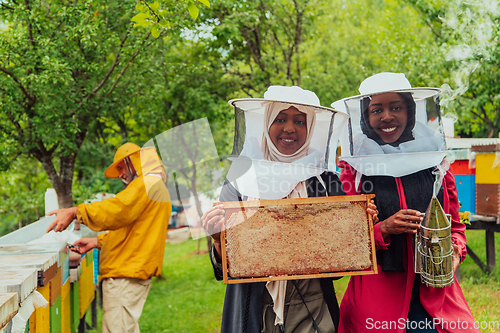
(419, 320)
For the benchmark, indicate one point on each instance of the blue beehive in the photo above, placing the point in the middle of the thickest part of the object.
(466, 188)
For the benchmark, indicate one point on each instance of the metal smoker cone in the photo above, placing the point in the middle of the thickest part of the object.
(435, 251)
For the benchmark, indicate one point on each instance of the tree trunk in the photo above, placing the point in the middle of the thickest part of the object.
(198, 206)
(62, 182)
(66, 171)
(200, 213)
(491, 133)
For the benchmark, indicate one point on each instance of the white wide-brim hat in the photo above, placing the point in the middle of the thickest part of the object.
(390, 82)
(291, 95)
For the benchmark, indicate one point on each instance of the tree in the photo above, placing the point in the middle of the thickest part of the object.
(22, 196)
(261, 41)
(328, 47)
(192, 85)
(77, 79)
(63, 74)
(353, 40)
(23, 191)
(466, 35)
(154, 16)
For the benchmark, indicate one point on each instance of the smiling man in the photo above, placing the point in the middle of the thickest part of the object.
(132, 249)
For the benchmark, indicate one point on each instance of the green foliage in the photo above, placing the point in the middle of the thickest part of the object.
(466, 48)
(151, 16)
(93, 159)
(261, 41)
(22, 195)
(23, 192)
(325, 46)
(356, 39)
(65, 75)
(191, 85)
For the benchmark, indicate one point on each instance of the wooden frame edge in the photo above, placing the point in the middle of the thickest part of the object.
(301, 201)
(225, 273)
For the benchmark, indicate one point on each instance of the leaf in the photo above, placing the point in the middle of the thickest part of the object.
(139, 7)
(205, 2)
(154, 6)
(155, 32)
(140, 17)
(163, 23)
(193, 10)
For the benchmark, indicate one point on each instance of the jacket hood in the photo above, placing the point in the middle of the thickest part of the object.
(146, 161)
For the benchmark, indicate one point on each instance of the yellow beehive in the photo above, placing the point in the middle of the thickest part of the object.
(66, 308)
(40, 319)
(486, 172)
(87, 288)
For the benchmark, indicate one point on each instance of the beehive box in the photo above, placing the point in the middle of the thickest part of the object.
(55, 316)
(66, 308)
(21, 281)
(297, 239)
(461, 167)
(487, 168)
(466, 189)
(75, 306)
(45, 263)
(59, 247)
(487, 199)
(86, 285)
(9, 305)
(55, 287)
(40, 319)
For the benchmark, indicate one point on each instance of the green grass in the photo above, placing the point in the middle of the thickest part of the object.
(476, 240)
(190, 299)
(481, 290)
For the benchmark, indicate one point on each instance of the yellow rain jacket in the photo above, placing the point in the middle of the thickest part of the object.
(137, 220)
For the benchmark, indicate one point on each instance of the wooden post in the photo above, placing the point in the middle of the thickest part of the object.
(83, 325)
(475, 258)
(491, 265)
(93, 311)
(100, 294)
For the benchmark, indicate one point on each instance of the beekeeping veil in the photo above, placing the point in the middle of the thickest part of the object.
(420, 146)
(260, 170)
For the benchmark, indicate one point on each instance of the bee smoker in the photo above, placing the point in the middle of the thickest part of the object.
(433, 245)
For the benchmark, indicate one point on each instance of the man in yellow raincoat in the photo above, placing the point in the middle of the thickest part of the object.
(136, 220)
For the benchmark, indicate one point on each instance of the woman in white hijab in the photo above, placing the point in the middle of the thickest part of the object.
(290, 122)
